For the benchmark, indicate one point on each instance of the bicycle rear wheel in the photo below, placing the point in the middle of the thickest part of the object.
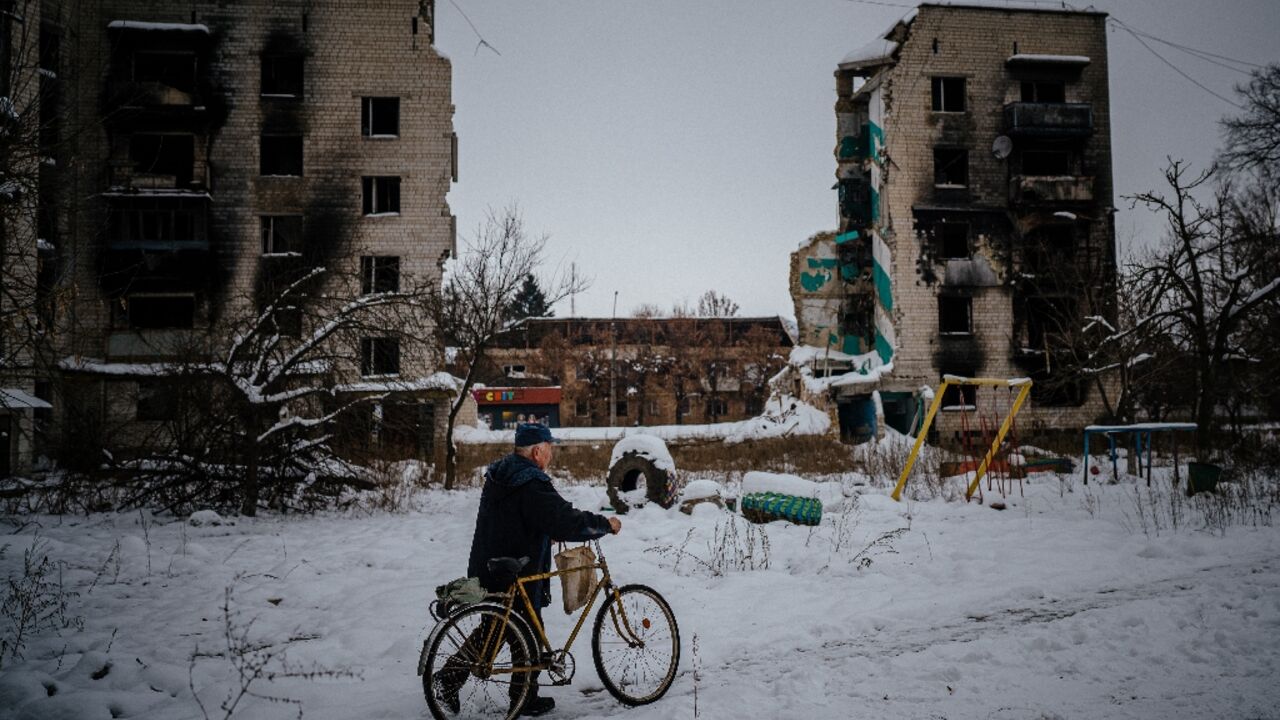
(636, 645)
(458, 681)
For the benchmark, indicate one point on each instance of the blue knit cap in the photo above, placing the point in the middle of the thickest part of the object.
(528, 434)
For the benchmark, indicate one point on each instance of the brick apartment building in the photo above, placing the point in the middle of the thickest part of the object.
(973, 164)
(192, 155)
(662, 371)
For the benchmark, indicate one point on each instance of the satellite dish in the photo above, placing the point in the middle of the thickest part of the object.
(1002, 147)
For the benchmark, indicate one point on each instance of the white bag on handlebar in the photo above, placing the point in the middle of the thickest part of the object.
(581, 582)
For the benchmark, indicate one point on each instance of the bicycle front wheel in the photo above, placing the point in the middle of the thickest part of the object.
(636, 645)
(469, 669)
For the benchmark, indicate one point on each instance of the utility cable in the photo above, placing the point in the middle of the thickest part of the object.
(483, 42)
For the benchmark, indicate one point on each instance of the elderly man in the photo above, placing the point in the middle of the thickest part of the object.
(520, 514)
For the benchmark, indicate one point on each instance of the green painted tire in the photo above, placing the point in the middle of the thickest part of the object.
(768, 507)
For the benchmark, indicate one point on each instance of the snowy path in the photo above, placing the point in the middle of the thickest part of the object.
(1051, 609)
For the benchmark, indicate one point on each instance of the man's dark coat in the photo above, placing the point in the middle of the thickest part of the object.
(520, 514)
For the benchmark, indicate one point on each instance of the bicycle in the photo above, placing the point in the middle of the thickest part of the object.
(472, 663)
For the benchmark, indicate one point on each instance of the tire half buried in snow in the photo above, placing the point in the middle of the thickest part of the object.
(634, 479)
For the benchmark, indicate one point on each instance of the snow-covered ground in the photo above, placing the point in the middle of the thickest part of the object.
(1058, 607)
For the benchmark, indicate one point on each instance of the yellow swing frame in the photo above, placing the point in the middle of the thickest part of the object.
(1024, 385)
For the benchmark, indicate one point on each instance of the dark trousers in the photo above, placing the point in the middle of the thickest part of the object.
(454, 673)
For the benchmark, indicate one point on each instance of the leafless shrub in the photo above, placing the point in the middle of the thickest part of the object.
(735, 545)
(34, 602)
(256, 662)
(883, 544)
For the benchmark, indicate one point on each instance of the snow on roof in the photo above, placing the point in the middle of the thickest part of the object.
(876, 52)
(435, 381)
(648, 446)
(1049, 59)
(157, 26)
(1024, 5)
(15, 399)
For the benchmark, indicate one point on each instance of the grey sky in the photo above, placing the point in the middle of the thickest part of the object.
(669, 147)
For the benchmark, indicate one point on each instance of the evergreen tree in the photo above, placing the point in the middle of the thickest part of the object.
(530, 301)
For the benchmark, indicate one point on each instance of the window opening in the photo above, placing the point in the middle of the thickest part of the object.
(282, 75)
(160, 312)
(380, 356)
(951, 167)
(953, 239)
(166, 156)
(1046, 162)
(955, 315)
(379, 274)
(381, 195)
(281, 155)
(281, 234)
(380, 117)
(1044, 91)
(948, 94)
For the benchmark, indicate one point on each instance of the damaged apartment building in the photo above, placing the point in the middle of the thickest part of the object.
(198, 156)
(973, 170)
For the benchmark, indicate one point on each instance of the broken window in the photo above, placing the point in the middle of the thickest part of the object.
(380, 116)
(281, 234)
(953, 240)
(171, 69)
(167, 159)
(957, 396)
(157, 401)
(948, 94)
(1046, 162)
(380, 356)
(1044, 91)
(582, 408)
(282, 75)
(620, 408)
(281, 155)
(379, 274)
(157, 220)
(50, 120)
(955, 315)
(158, 312)
(50, 47)
(1051, 249)
(381, 195)
(950, 167)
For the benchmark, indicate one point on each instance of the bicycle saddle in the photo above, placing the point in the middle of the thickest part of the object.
(505, 570)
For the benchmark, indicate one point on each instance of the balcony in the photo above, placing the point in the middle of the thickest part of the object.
(157, 220)
(1048, 120)
(1050, 189)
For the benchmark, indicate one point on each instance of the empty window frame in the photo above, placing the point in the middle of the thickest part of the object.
(171, 69)
(281, 234)
(621, 409)
(288, 321)
(1046, 162)
(948, 94)
(955, 315)
(280, 155)
(717, 407)
(282, 76)
(163, 155)
(960, 395)
(582, 408)
(160, 312)
(381, 195)
(953, 240)
(1044, 91)
(380, 116)
(951, 167)
(160, 220)
(380, 356)
(379, 274)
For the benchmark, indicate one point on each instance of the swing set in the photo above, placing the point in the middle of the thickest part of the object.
(998, 461)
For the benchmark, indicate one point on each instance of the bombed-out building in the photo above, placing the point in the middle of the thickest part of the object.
(973, 171)
(198, 158)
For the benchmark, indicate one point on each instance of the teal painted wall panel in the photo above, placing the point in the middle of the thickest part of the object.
(884, 287)
(883, 348)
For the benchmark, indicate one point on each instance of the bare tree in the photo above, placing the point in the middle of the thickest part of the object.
(1253, 139)
(714, 305)
(646, 311)
(1207, 282)
(476, 300)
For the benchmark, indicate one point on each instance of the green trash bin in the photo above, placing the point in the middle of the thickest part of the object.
(1202, 477)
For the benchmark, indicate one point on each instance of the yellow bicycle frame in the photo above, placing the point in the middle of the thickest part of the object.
(490, 651)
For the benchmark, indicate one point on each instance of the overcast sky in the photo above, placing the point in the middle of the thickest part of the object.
(668, 147)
